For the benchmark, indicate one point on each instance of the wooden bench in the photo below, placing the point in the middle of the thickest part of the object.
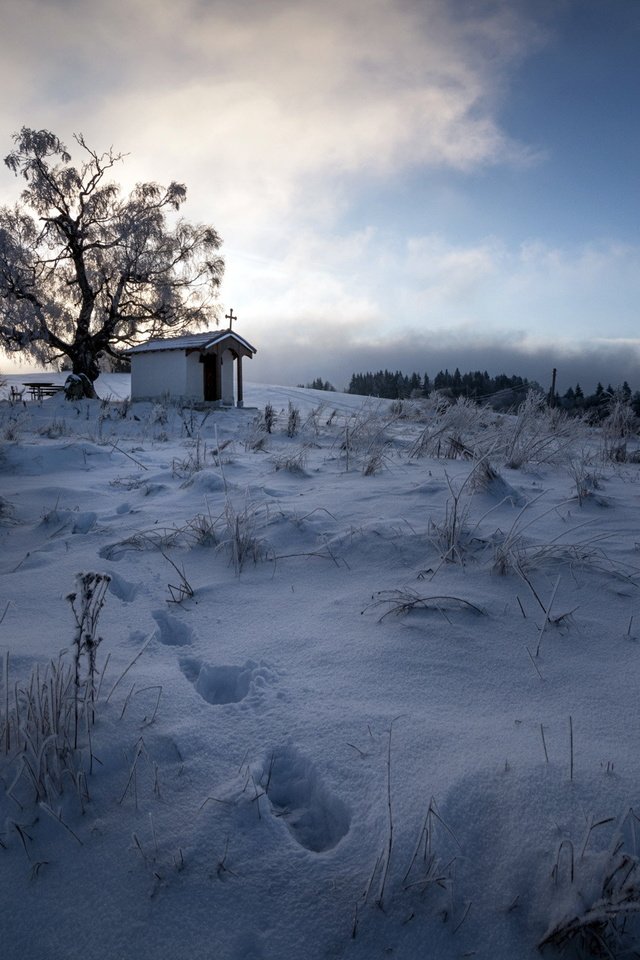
(42, 388)
(15, 395)
(51, 391)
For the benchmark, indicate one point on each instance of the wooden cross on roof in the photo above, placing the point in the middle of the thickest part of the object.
(230, 317)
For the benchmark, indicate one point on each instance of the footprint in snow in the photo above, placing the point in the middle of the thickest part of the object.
(61, 520)
(316, 818)
(84, 522)
(123, 589)
(170, 631)
(228, 684)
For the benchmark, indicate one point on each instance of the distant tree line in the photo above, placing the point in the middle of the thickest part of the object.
(320, 384)
(478, 385)
(574, 400)
(399, 386)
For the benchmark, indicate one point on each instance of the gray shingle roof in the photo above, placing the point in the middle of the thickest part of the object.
(189, 341)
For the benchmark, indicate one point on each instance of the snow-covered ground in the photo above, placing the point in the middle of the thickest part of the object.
(357, 695)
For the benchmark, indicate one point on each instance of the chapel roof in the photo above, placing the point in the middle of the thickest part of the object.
(190, 341)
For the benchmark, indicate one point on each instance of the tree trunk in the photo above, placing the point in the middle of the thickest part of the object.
(85, 364)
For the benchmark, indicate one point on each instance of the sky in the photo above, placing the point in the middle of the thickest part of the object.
(402, 184)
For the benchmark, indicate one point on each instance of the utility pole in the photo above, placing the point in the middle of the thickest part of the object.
(552, 392)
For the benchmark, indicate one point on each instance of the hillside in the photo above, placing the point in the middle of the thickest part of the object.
(364, 691)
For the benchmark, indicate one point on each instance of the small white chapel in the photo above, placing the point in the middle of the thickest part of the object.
(199, 367)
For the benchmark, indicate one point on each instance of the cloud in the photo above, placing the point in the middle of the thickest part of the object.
(298, 353)
(530, 293)
(573, 292)
(265, 106)
(278, 115)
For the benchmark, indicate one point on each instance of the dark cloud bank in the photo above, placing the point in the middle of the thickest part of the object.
(289, 363)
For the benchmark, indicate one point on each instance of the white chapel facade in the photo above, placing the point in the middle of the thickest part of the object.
(202, 367)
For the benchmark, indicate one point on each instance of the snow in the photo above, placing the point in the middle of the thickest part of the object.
(356, 699)
(203, 340)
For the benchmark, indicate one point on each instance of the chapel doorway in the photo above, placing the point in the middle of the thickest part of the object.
(211, 373)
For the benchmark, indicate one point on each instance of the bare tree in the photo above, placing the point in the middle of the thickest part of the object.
(85, 272)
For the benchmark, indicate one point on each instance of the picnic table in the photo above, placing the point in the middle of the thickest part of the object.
(42, 388)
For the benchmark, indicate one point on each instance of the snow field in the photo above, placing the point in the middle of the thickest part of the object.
(369, 691)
